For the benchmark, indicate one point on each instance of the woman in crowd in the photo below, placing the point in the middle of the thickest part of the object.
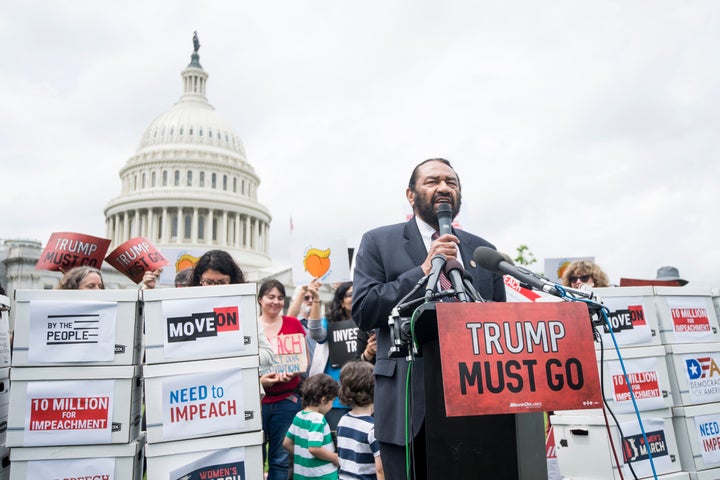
(216, 267)
(340, 310)
(584, 273)
(282, 399)
(82, 278)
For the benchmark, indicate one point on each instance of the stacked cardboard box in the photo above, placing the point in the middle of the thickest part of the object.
(659, 331)
(202, 391)
(76, 389)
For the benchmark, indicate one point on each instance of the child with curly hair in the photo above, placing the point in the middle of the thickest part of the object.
(358, 449)
(308, 438)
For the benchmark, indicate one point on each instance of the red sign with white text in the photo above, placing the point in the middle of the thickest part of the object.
(516, 357)
(135, 257)
(66, 250)
(69, 413)
(690, 319)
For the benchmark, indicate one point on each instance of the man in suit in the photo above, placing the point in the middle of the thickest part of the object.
(390, 261)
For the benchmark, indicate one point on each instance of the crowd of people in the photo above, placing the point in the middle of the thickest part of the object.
(344, 416)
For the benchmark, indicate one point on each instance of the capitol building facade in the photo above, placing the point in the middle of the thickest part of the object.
(187, 189)
(189, 185)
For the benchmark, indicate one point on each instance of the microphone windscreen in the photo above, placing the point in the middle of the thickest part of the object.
(507, 258)
(452, 264)
(443, 209)
(488, 258)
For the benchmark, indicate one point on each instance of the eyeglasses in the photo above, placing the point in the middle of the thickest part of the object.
(207, 282)
(348, 295)
(582, 278)
(307, 298)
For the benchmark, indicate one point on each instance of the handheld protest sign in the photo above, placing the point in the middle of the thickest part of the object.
(324, 260)
(290, 353)
(66, 250)
(135, 257)
(342, 342)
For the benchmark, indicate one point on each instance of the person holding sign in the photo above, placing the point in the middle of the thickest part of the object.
(336, 337)
(390, 261)
(282, 399)
(82, 278)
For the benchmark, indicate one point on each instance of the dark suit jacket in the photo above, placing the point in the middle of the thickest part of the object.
(387, 267)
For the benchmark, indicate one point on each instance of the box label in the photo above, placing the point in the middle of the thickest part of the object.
(636, 450)
(702, 371)
(69, 412)
(226, 464)
(691, 322)
(644, 378)
(707, 428)
(73, 469)
(71, 331)
(628, 322)
(203, 403)
(196, 326)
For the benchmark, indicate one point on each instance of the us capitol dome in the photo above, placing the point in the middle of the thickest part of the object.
(189, 186)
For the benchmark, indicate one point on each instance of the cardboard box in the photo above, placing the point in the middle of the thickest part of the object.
(4, 331)
(201, 399)
(239, 456)
(584, 452)
(697, 429)
(200, 323)
(712, 474)
(633, 317)
(4, 402)
(686, 315)
(4, 463)
(120, 461)
(694, 371)
(77, 327)
(74, 406)
(648, 373)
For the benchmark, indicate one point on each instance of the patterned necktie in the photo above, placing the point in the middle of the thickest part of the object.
(445, 283)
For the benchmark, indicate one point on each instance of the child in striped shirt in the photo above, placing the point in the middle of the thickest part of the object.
(308, 438)
(358, 449)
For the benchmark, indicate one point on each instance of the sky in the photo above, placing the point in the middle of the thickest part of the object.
(577, 128)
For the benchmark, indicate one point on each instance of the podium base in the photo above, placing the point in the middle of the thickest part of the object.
(510, 446)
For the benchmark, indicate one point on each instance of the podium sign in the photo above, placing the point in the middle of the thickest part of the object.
(516, 358)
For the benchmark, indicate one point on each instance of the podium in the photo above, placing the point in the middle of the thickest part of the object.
(504, 446)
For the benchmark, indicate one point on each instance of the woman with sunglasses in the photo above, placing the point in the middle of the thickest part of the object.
(584, 273)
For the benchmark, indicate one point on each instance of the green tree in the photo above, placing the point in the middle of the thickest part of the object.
(524, 256)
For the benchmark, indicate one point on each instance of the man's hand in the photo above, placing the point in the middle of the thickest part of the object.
(445, 245)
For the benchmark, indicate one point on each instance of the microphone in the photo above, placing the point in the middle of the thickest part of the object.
(438, 262)
(444, 216)
(454, 271)
(470, 289)
(494, 261)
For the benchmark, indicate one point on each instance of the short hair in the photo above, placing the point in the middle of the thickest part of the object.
(72, 278)
(357, 385)
(220, 261)
(585, 267)
(183, 277)
(268, 285)
(318, 387)
(414, 174)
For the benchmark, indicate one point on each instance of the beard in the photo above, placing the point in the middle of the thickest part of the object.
(426, 209)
